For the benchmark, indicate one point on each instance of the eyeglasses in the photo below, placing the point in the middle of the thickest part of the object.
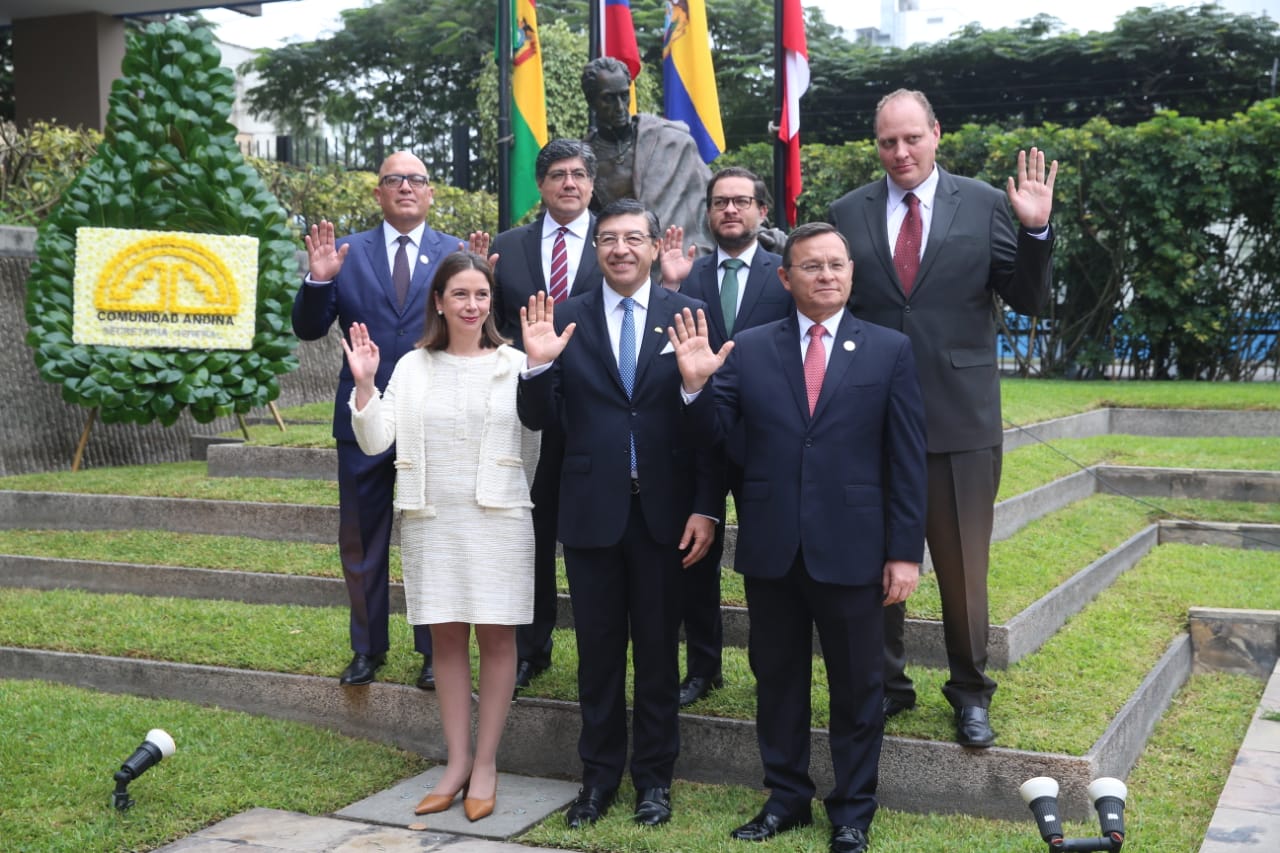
(393, 182)
(633, 239)
(560, 175)
(741, 202)
(814, 268)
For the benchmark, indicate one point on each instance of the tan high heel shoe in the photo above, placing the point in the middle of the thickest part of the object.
(434, 803)
(477, 808)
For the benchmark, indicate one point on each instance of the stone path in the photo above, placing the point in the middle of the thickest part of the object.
(381, 822)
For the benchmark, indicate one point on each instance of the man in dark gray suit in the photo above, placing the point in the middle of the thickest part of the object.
(550, 255)
(740, 284)
(933, 251)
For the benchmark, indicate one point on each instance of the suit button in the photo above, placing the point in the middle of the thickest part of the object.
(906, 310)
(808, 442)
(400, 333)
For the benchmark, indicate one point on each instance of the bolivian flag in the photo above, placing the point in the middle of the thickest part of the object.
(528, 106)
(688, 79)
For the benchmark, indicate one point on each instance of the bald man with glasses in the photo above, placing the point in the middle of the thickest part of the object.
(379, 278)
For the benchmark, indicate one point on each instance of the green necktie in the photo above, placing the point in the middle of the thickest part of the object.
(729, 293)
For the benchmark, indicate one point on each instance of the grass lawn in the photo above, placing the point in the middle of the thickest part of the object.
(1121, 635)
(59, 747)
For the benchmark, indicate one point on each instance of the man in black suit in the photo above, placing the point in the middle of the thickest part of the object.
(550, 255)
(933, 252)
(740, 285)
(380, 278)
(638, 501)
(830, 519)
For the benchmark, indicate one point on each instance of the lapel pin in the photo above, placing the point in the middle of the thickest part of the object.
(423, 259)
(849, 346)
(657, 329)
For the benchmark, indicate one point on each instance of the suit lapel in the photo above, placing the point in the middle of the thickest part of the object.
(705, 271)
(757, 279)
(946, 202)
(787, 341)
(873, 209)
(661, 313)
(848, 340)
(531, 243)
(376, 257)
(594, 332)
(589, 275)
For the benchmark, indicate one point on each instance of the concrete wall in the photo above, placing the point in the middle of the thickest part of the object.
(39, 432)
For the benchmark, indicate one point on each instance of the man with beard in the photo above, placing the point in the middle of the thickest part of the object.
(740, 285)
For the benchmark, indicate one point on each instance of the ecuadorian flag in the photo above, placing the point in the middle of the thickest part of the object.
(688, 79)
(528, 105)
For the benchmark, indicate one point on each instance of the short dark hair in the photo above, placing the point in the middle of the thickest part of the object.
(597, 68)
(760, 191)
(629, 207)
(564, 149)
(807, 232)
(435, 331)
(915, 95)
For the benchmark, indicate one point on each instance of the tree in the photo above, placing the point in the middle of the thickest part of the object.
(6, 74)
(1199, 61)
(399, 74)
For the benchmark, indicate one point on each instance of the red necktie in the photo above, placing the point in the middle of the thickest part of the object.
(815, 365)
(559, 268)
(906, 253)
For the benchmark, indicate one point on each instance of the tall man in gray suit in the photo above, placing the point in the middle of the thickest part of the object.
(740, 284)
(551, 255)
(933, 251)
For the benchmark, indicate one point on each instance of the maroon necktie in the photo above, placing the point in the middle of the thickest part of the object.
(559, 268)
(906, 253)
(815, 365)
(400, 271)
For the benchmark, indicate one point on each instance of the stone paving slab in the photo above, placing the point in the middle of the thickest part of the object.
(522, 801)
(1248, 814)
(275, 831)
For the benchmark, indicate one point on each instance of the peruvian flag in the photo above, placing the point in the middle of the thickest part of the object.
(795, 81)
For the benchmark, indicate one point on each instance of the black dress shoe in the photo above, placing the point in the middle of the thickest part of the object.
(894, 705)
(361, 669)
(653, 806)
(973, 727)
(848, 839)
(526, 672)
(766, 825)
(590, 806)
(426, 678)
(695, 687)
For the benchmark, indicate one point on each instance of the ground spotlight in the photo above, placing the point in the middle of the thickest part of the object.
(156, 746)
(1108, 796)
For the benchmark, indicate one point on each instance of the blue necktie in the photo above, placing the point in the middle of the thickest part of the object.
(627, 358)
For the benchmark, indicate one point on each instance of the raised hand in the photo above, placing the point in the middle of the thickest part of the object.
(694, 356)
(363, 358)
(323, 256)
(541, 343)
(478, 244)
(1032, 195)
(674, 260)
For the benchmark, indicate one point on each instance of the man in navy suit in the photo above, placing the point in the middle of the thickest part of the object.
(933, 252)
(637, 499)
(740, 285)
(551, 255)
(831, 519)
(379, 278)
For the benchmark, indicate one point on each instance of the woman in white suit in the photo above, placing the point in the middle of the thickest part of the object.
(463, 468)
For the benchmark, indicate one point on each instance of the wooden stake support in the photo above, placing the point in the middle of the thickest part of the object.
(84, 439)
(275, 413)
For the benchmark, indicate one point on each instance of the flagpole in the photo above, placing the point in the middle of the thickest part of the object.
(595, 30)
(779, 104)
(504, 115)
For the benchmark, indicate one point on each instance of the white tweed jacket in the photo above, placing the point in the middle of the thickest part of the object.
(508, 451)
